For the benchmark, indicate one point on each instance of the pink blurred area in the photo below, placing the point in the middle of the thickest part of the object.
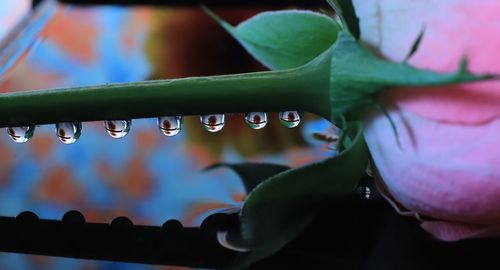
(11, 13)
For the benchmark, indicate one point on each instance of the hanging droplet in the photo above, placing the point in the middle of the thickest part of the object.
(21, 134)
(289, 119)
(366, 192)
(170, 125)
(117, 128)
(256, 120)
(68, 133)
(213, 122)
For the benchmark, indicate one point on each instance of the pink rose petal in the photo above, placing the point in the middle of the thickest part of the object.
(453, 29)
(452, 231)
(448, 165)
(445, 171)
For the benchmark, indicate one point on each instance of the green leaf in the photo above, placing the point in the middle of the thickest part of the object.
(357, 75)
(281, 207)
(252, 174)
(284, 39)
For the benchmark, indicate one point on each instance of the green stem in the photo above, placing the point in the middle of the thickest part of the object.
(302, 89)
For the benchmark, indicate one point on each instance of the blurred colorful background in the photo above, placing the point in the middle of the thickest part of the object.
(145, 176)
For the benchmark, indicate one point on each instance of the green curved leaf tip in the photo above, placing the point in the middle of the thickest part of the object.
(282, 206)
(284, 39)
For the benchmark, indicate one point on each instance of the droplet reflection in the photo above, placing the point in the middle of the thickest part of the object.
(21, 134)
(289, 119)
(117, 128)
(68, 133)
(256, 120)
(213, 122)
(170, 125)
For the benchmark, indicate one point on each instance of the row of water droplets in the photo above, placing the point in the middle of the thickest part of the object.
(69, 132)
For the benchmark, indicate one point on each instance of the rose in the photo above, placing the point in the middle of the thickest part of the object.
(447, 168)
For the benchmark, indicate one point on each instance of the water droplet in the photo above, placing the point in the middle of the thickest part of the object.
(289, 119)
(21, 134)
(365, 191)
(68, 133)
(170, 125)
(117, 128)
(256, 120)
(213, 122)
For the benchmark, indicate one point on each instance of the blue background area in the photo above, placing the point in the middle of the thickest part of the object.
(145, 176)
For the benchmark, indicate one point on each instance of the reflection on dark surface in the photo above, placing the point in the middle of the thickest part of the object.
(145, 175)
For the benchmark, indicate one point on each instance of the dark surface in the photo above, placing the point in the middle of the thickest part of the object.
(121, 240)
(350, 234)
(369, 234)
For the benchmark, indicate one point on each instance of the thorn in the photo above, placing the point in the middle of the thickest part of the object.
(416, 45)
(216, 18)
(383, 110)
(464, 64)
